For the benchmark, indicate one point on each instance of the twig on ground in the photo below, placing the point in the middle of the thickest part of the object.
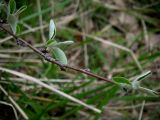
(51, 60)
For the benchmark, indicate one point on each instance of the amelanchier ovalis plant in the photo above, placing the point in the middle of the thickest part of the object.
(134, 84)
(54, 46)
(51, 44)
(12, 13)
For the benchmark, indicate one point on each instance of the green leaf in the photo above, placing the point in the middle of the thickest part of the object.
(21, 9)
(143, 75)
(12, 20)
(18, 30)
(146, 90)
(60, 55)
(11, 6)
(53, 43)
(3, 7)
(121, 80)
(61, 44)
(52, 29)
(50, 43)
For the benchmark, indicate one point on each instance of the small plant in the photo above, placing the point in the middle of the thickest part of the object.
(135, 83)
(89, 92)
(54, 46)
(12, 14)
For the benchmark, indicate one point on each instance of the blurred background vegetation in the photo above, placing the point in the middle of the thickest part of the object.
(133, 24)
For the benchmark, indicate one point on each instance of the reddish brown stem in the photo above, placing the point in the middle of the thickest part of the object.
(52, 60)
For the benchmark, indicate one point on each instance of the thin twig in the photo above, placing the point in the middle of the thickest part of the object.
(53, 61)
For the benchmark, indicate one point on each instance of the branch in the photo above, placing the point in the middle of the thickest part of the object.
(23, 43)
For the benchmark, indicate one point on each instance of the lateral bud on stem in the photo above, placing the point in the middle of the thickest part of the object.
(62, 66)
(20, 43)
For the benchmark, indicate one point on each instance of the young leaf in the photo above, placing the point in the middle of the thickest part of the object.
(52, 29)
(143, 75)
(60, 44)
(12, 20)
(11, 6)
(21, 9)
(3, 7)
(50, 43)
(121, 80)
(60, 55)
